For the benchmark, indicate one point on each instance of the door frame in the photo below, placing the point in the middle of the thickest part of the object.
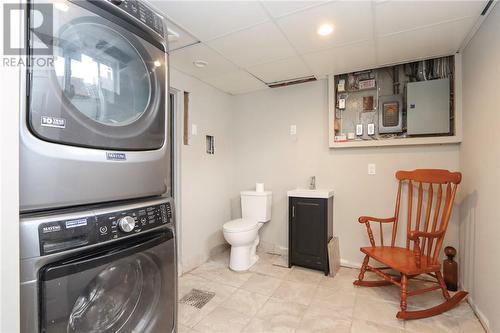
(176, 137)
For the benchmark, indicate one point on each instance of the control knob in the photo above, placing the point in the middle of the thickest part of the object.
(117, 2)
(126, 223)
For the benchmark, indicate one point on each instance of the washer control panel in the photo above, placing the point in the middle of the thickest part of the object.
(123, 223)
(101, 225)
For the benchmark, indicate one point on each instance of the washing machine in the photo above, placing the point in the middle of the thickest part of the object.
(103, 268)
(94, 129)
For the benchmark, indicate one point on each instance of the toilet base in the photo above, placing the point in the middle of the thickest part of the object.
(241, 259)
(244, 257)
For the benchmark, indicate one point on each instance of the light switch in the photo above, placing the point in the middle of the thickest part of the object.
(359, 129)
(371, 129)
(293, 129)
(194, 129)
(372, 169)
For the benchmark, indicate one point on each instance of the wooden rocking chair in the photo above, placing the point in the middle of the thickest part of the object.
(427, 239)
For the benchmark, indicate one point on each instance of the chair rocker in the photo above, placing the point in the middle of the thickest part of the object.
(436, 191)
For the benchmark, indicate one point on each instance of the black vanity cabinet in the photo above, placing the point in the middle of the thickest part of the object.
(310, 230)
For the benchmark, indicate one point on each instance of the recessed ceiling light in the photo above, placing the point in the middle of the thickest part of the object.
(157, 63)
(200, 63)
(325, 29)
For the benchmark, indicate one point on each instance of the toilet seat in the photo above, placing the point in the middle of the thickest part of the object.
(240, 225)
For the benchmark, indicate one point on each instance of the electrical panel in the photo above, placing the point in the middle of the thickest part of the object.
(400, 101)
(428, 107)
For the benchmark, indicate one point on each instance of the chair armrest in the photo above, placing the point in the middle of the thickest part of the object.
(415, 235)
(365, 219)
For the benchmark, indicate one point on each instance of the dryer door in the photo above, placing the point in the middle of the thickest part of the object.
(125, 288)
(104, 89)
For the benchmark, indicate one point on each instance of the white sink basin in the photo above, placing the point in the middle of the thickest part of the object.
(306, 193)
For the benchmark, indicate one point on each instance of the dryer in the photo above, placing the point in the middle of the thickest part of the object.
(95, 127)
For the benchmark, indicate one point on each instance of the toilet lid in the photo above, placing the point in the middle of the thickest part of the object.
(240, 225)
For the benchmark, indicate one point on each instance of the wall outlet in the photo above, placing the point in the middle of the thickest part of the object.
(372, 169)
(340, 138)
(342, 103)
(293, 129)
(371, 129)
(359, 129)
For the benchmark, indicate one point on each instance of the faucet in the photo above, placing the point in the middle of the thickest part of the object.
(312, 185)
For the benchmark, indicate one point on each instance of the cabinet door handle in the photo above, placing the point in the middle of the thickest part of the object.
(293, 211)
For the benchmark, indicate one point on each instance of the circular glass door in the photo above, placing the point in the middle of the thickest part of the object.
(102, 74)
(105, 88)
(123, 297)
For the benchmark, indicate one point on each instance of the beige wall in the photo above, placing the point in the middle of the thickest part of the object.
(267, 153)
(480, 162)
(206, 179)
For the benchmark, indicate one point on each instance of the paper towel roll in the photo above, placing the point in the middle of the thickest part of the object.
(259, 187)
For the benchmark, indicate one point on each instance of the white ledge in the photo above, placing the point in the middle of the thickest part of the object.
(398, 142)
(305, 193)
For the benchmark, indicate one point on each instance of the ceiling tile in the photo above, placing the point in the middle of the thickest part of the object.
(443, 39)
(342, 59)
(286, 69)
(352, 21)
(182, 40)
(210, 19)
(183, 60)
(236, 82)
(259, 44)
(396, 16)
(280, 8)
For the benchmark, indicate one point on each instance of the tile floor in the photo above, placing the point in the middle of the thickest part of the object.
(272, 298)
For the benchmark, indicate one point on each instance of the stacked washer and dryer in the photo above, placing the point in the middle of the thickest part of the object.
(97, 228)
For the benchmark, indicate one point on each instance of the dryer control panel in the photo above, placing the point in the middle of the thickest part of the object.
(101, 225)
(139, 10)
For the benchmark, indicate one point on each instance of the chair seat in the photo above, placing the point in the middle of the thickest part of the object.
(400, 259)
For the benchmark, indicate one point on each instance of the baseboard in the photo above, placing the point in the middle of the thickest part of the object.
(219, 249)
(350, 264)
(482, 318)
(191, 263)
(273, 248)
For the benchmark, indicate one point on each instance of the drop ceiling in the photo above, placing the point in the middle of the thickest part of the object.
(250, 43)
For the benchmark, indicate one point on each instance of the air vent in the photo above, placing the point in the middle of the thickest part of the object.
(488, 5)
(290, 82)
(197, 298)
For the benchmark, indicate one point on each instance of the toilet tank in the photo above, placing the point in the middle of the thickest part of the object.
(256, 205)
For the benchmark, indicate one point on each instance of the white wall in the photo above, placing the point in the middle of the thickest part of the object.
(206, 179)
(267, 153)
(480, 162)
(9, 198)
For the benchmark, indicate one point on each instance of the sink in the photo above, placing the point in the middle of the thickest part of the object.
(306, 193)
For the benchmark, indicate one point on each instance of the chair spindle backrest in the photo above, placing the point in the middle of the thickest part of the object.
(436, 191)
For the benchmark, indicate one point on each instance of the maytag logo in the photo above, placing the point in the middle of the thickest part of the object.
(51, 228)
(53, 122)
(116, 156)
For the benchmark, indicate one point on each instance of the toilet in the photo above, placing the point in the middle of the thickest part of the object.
(243, 234)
